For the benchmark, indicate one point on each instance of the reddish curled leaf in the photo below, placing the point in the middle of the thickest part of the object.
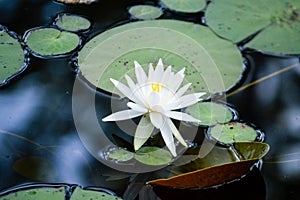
(207, 177)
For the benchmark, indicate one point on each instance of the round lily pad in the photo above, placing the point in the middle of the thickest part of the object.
(72, 23)
(51, 42)
(153, 156)
(145, 12)
(43, 193)
(212, 64)
(121, 155)
(187, 6)
(80, 194)
(11, 56)
(277, 23)
(210, 113)
(233, 132)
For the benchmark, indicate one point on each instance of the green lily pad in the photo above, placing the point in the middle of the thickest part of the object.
(145, 12)
(212, 64)
(80, 194)
(153, 156)
(72, 23)
(51, 42)
(45, 193)
(233, 132)
(121, 155)
(187, 6)
(11, 56)
(210, 113)
(251, 150)
(276, 22)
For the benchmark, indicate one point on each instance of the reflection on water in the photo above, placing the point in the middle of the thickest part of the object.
(38, 107)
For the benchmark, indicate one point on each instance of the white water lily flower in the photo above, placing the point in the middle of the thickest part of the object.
(156, 96)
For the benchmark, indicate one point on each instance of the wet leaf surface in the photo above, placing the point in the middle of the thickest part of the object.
(80, 194)
(121, 155)
(210, 113)
(145, 12)
(276, 22)
(153, 156)
(11, 55)
(187, 6)
(251, 150)
(51, 42)
(46, 193)
(207, 177)
(212, 64)
(72, 23)
(233, 132)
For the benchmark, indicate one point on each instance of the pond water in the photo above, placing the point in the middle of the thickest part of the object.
(37, 125)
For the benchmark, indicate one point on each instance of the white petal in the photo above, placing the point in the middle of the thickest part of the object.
(166, 76)
(123, 89)
(153, 99)
(137, 107)
(190, 99)
(158, 72)
(176, 132)
(140, 74)
(143, 132)
(166, 134)
(157, 119)
(181, 116)
(136, 92)
(150, 72)
(122, 115)
(178, 78)
(182, 90)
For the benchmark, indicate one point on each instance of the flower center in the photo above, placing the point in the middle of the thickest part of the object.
(156, 87)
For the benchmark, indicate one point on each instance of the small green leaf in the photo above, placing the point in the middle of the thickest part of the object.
(277, 23)
(153, 156)
(210, 113)
(51, 42)
(82, 194)
(188, 6)
(145, 12)
(11, 56)
(121, 155)
(233, 132)
(72, 23)
(251, 150)
(45, 193)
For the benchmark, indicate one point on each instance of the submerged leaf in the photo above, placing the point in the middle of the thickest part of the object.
(80, 194)
(210, 113)
(212, 64)
(276, 22)
(72, 22)
(11, 55)
(207, 177)
(145, 12)
(36, 168)
(233, 132)
(45, 193)
(188, 6)
(153, 156)
(51, 42)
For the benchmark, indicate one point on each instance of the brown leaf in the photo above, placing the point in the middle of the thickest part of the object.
(207, 177)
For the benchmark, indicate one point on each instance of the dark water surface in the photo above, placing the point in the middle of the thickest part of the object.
(38, 106)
